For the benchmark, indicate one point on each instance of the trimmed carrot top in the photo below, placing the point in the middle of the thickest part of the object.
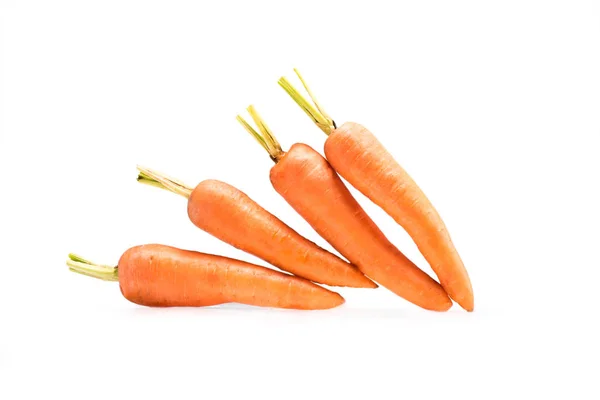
(315, 111)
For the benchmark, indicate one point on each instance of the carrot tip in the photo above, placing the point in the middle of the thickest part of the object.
(339, 302)
(469, 307)
(367, 283)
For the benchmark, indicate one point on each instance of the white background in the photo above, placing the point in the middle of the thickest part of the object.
(493, 107)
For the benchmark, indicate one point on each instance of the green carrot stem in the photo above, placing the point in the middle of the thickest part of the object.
(160, 180)
(85, 267)
(263, 136)
(314, 99)
(149, 181)
(315, 111)
(264, 129)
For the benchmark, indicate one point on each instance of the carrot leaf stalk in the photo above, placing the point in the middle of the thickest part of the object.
(314, 110)
(85, 267)
(263, 136)
(157, 179)
(146, 180)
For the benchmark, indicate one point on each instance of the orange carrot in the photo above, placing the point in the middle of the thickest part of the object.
(230, 215)
(310, 185)
(162, 276)
(357, 155)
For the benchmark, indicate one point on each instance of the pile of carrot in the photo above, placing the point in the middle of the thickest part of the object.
(163, 276)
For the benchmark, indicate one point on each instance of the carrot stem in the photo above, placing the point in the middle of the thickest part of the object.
(263, 136)
(85, 267)
(315, 111)
(162, 181)
(149, 181)
(314, 99)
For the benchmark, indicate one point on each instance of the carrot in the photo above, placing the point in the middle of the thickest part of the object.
(310, 185)
(162, 276)
(357, 155)
(230, 215)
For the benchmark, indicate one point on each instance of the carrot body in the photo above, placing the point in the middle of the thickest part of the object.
(164, 276)
(361, 159)
(230, 215)
(310, 185)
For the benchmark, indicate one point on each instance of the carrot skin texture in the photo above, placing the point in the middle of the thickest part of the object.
(357, 155)
(310, 185)
(163, 276)
(230, 215)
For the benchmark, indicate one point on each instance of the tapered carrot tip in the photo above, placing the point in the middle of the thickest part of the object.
(325, 299)
(440, 305)
(321, 299)
(336, 300)
(371, 285)
(468, 304)
(449, 305)
(461, 294)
